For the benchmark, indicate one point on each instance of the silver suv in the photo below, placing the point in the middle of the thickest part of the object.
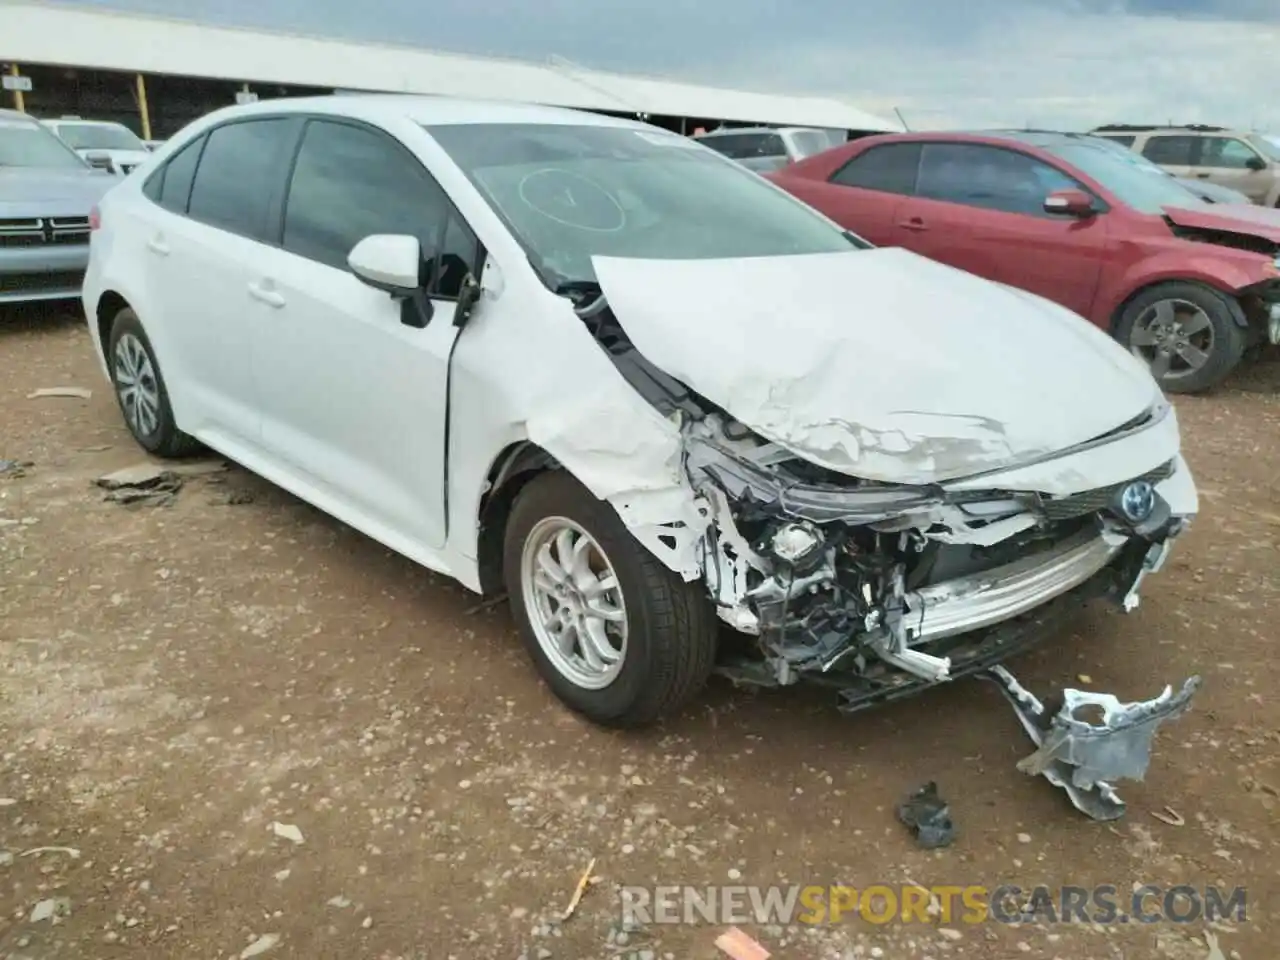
(46, 195)
(1248, 162)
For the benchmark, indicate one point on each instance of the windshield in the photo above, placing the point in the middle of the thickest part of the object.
(1132, 185)
(99, 136)
(809, 142)
(569, 193)
(1268, 143)
(24, 143)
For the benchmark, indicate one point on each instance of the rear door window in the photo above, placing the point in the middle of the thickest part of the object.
(1171, 150)
(173, 189)
(239, 172)
(889, 168)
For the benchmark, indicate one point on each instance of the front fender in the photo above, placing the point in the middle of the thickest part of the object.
(1227, 271)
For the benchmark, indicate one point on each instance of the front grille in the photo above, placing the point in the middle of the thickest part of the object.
(40, 282)
(1091, 501)
(40, 232)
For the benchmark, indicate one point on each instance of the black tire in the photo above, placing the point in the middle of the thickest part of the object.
(165, 439)
(671, 625)
(1229, 337)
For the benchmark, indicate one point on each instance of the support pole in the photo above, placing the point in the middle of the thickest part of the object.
(144, 111)
(19, 101)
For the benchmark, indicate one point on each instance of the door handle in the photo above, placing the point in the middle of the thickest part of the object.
(157, 245)
(265, 293)
(1203, 176)
(915, 223)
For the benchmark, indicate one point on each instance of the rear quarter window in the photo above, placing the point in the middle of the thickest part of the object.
(170, 186)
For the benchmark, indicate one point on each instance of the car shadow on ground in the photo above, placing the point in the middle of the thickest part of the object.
(39, 317)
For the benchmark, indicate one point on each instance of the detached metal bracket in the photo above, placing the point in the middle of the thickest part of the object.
(1083, 757)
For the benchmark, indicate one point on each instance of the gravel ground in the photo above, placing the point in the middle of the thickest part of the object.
(175, 680)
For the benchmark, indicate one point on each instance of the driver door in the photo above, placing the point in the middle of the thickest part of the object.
(353, 399)
(981, 208)
(1231, 162)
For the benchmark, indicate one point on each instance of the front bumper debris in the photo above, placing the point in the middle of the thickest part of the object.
(1082, 757)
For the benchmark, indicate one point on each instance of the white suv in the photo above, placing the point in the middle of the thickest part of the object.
(640, 389)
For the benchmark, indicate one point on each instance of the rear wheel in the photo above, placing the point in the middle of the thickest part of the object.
(616, 635)
(1186, 333)
(141, 392)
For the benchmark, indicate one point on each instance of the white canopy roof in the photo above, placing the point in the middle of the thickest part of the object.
(66, 35)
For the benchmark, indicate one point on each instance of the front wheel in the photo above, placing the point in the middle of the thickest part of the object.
(1185, 332)
(617, 636)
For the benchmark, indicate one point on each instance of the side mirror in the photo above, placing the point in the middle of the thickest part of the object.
(393, 263)
(1256, 163)
(1073, 203)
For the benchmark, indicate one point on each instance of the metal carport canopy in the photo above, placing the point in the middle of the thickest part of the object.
(72, 36)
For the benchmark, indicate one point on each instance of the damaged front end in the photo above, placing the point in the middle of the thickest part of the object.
(881, 590)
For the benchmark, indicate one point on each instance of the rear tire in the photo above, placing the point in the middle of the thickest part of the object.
(1187, 333)
(662, 637)
(141, 392)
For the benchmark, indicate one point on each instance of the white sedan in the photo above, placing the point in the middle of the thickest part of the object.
(598, 367)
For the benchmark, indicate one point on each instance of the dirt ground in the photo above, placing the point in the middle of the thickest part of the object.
(174, 680)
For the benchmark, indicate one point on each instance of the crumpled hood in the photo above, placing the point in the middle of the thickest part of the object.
(40, 192)
(879, 364)
(1237, 218)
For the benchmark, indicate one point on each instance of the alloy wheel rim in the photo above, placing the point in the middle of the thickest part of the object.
(137, 386)
(574, 602)
(1174, 337)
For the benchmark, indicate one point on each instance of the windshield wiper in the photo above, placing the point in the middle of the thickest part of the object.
(576, 289)
(857, 241)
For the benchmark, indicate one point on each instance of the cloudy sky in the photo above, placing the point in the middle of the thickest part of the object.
(944, 63)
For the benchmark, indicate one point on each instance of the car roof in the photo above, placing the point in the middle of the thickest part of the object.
(83, 121)
(726, 131)
(1033, 138)
(6, 114)
(427, 110)
(1197, 129)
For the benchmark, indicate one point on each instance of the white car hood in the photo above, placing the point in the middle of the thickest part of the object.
(879, 364)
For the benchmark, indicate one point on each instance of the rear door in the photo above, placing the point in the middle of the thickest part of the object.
(1233, 162)
(980, 208)
(865, 194)
(215, 195)
(1175, 152)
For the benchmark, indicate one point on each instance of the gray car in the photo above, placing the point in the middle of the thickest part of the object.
(46, 194)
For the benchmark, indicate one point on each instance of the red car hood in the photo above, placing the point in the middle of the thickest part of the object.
(1237, 218)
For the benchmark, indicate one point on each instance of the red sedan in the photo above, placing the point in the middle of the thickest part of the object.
(1188, 286)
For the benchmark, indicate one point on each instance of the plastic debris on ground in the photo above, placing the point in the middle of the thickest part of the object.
(68, 393)
(741, 946)
(134, 487)
(928, 816)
